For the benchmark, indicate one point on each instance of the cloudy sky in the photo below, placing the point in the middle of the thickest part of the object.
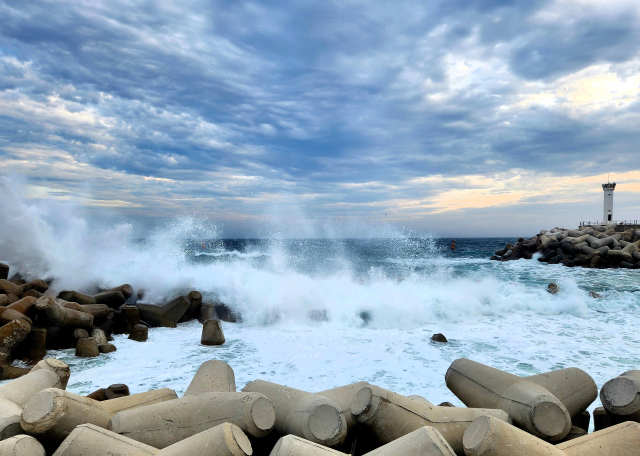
(472, 117)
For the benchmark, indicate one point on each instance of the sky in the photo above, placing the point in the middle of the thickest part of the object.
(457, 118)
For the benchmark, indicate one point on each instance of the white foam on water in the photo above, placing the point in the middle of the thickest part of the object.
(319, 330)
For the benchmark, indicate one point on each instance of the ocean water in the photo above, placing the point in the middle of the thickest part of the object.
(320, 313)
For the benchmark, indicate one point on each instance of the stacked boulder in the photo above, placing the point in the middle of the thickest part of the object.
(596, 246)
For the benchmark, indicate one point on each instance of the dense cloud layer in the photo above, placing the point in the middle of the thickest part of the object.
(357, 108)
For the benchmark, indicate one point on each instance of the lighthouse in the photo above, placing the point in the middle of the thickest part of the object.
(607, 213)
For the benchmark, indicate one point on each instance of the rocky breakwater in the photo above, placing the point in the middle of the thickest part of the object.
(595, 246)
(504, 415)
(34, 318)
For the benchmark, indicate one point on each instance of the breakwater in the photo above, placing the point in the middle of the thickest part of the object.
(545, 411)
(590, 246)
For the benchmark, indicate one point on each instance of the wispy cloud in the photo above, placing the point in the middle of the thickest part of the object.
(419, 111)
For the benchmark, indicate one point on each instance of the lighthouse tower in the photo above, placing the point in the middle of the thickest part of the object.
(607, 213)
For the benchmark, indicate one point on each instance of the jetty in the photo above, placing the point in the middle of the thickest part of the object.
(590, 246)
(600, 244)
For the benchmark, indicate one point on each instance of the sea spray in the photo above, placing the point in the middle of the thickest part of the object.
(322, 312)
(400, 281)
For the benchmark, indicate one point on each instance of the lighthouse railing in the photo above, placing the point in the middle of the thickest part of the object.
(604, 222)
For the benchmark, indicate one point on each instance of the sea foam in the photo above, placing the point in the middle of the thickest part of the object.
(321, 313)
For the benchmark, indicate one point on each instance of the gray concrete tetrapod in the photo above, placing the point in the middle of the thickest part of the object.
(292, 445)
(425, 441)
(195, 298)
(100, 312)
(12, 372)
(87, 348)
(212, 333)
(139, 333)
(390, 416)
(60, 368)
(213, 376)
(621, 395)
(76, 296)
(113, 299)
(125, 289)
(9, 315)
(490, 437)
(620, 440)
(87, 439)
(14, 395)
(21, 445)
(300, 413)
(572, 386)
(166, 423)
(52, 414)
(53, 314)
(167, 314)
(530, 405)
(343, 396)
(419, 398)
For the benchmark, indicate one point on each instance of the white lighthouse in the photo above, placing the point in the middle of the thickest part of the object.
(607, 213)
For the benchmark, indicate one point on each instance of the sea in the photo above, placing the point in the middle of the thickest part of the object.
(318, 313)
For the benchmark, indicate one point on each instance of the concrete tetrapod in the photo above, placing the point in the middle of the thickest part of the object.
(125, 289)
(112, 299)
(87, 348)
(292, 445)
(390, 416)
(166, 423)
(425, 441)
(139, 333)
(10, 288)
(53, 314)
(21, 445)
(607, 241)
(530, 405)
(621, 395)
(11, 372)
(76, 296)
(52, 414)
(24, 306)
(166, 315)
(343, 396)
(60, 368)
(212, 333)
(8, 315)
(213, 376)
(12, 334)
(300, 413)
(572, 386)
(87, 439)
(195, 298)
(620, 440)
(490, 437)
(16, 393)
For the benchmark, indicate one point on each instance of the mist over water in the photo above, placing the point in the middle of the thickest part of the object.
(320, 310)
